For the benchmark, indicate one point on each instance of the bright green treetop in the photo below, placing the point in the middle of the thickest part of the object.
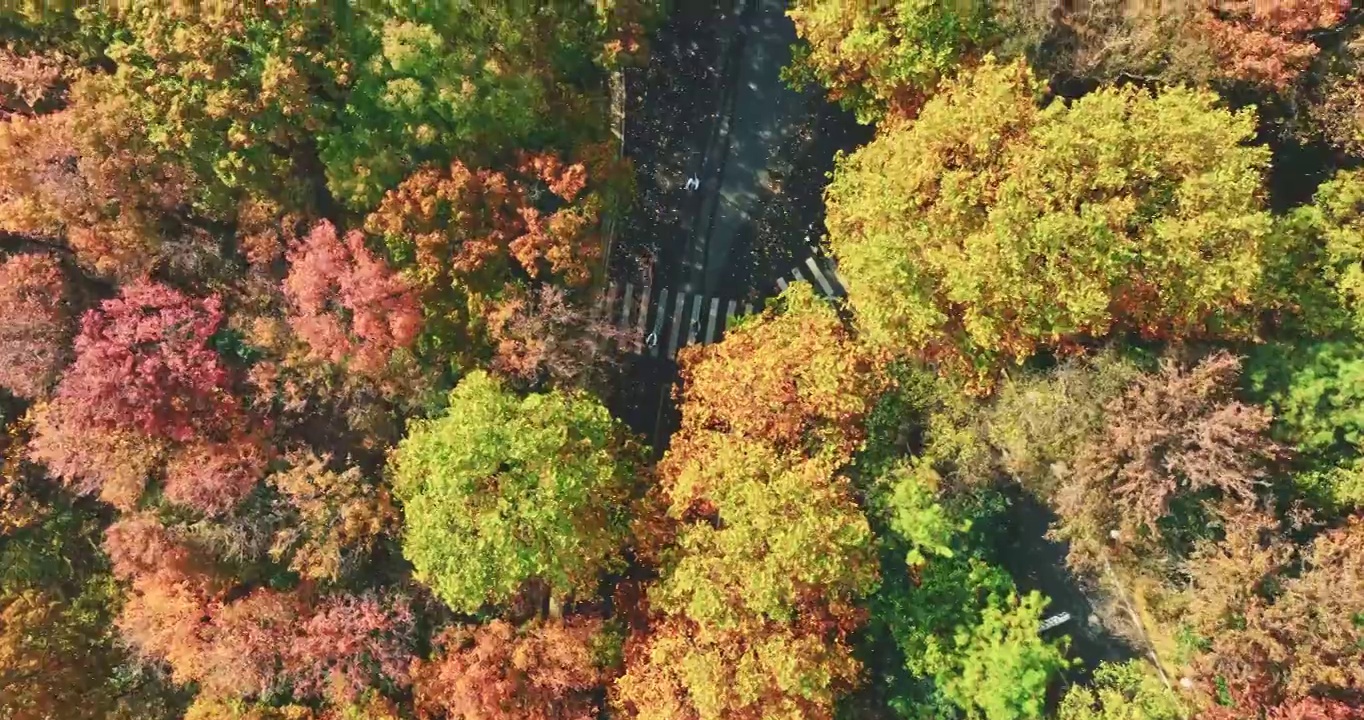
(502, 489)
(1126, 691)
(992, 227)
(1001, 667)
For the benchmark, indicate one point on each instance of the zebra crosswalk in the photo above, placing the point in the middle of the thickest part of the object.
(669, 320)
(819, 272)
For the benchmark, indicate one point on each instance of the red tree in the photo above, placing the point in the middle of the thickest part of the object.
(347, 305)
(213, 477)
(349, 639)
(144, 362)
(36, 326)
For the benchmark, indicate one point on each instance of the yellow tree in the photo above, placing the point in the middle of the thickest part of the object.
(993, 227)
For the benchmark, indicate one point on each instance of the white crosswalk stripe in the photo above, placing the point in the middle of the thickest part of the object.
(677, 324)
(653, 339)
(811, 271)
(694, 327)
(671, 319)
(710, 323)
(819, 276)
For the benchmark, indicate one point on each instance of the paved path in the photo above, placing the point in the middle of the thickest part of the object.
(760, 114)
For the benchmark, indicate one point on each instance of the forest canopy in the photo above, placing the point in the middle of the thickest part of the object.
(310, 412)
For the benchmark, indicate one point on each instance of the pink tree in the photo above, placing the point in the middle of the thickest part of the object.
(144, 363)
(346, 641)
(347, 305)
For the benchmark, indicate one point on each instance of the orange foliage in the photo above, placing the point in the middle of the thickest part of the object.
(493, 671)
(1268, 42)
(113, 464)
(87, 173)
(31, 84)
(468, 228)
(795, 379)
(36, 327)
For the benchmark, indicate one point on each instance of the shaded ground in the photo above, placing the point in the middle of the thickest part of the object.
(1037, 563)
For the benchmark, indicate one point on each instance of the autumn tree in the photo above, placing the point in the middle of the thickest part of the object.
(233, 93)
(1274, 636)
(341, 517)
(36, 330)
(794, 378)
(885, 57)
(1267, 46)
(758, 598)
(1176, 434)
(350, 643)
(681, 672)
(477, 82)
(1038, 422)
(32, 83)
(464, 237)
(346, 304)
(113, 464)
(544, 672)
(87, 178)
(145, 362)
(542, 336)
(502, 490)
(768, 536)
(965, 239)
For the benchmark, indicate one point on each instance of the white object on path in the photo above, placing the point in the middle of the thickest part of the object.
(1053, 621)
(693, 183)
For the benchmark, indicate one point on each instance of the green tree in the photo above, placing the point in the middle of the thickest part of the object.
(502, 490)
(1126, 691)
(781, 533)
(992, 228)
(1337, 214)
(999, 668)
(883, 57)
(1317, 393)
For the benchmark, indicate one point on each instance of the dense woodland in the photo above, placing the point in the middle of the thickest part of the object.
(306, 411)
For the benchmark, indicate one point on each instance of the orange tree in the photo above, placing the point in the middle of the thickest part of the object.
(758, 595)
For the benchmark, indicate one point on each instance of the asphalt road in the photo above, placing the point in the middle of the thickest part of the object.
(761, 115)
